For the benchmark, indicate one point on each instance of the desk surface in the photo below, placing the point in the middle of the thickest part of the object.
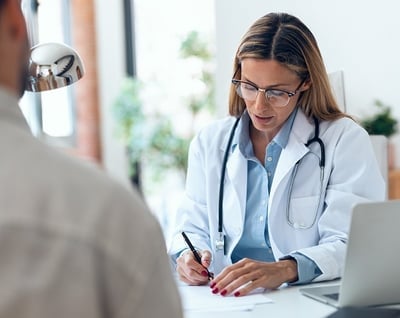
(287, 302)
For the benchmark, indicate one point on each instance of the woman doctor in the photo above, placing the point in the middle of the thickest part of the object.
(295, 167)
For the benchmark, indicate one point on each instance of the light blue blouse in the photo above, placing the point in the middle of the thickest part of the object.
(254, 243)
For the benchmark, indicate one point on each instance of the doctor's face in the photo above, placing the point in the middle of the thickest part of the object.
(266, 114)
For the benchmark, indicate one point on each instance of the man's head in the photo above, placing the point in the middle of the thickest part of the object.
(14, 47)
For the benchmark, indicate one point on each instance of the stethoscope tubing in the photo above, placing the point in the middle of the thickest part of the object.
(220, 242)
(223, 170)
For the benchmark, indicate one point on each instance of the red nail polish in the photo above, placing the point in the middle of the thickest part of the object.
(223, 293)
(215, 290)
(212, 285)
(236, 294)
(204, 273)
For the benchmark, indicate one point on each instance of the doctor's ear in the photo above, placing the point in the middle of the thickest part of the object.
(306, 85)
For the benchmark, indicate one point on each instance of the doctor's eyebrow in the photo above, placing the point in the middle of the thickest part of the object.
(273, 86)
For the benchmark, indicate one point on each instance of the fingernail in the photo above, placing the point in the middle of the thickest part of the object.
(223, 293)
(212, 285)
(204, 273)
(215, 290)
(236, 294)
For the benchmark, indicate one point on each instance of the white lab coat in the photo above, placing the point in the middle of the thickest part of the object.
(351, 175)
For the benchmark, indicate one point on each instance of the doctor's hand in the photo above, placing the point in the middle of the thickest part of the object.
(246, 275)
(190, 271)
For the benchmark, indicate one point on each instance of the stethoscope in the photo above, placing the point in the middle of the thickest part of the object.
(220, 241)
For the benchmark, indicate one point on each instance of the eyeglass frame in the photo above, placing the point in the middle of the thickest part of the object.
(290, 94)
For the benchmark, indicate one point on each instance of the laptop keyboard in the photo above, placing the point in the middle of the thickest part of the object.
(334, 296)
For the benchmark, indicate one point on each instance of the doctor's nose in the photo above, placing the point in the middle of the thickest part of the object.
(261, 101)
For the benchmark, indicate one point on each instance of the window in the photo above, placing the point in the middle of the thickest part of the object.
(174, 92)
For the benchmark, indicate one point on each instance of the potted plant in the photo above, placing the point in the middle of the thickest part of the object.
(382, 123)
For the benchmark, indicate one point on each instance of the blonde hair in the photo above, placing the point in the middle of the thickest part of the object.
(285, 39)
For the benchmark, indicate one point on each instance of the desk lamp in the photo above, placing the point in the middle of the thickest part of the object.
(53, 65)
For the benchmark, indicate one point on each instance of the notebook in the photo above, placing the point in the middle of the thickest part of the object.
(372, 267)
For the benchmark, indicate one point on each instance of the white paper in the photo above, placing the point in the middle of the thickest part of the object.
(200, 298)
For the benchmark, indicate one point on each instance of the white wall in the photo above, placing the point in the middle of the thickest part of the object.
(359, 37)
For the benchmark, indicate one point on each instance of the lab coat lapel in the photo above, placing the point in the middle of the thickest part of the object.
(236, 169)
(302, 130)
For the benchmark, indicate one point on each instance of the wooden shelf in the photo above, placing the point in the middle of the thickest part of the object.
(394, 184)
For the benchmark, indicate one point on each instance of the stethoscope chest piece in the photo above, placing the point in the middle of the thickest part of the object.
(220, 243)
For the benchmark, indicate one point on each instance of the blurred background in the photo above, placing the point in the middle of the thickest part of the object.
(157, 71)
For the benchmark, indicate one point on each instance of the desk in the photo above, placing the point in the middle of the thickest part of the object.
(287, 302)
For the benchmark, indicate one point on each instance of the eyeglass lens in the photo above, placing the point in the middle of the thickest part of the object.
(275, 97)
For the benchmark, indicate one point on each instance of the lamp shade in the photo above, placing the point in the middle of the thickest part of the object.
(53, 65)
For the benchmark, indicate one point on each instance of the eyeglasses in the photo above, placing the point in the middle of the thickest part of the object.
(275, 97)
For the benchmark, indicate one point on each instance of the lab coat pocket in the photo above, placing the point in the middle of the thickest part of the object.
(302, 212)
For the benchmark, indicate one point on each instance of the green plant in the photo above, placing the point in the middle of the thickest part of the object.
(152, 138)
(146, 137)
(381, 123)
(194, 47)
(130, 119)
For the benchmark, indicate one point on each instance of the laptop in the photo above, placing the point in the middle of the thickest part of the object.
(372, 267)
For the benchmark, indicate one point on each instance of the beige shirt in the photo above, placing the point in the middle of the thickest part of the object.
(74, 243)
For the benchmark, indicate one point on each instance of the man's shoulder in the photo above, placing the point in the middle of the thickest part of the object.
(76, 188)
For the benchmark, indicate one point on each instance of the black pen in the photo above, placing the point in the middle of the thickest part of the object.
(196, 255)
